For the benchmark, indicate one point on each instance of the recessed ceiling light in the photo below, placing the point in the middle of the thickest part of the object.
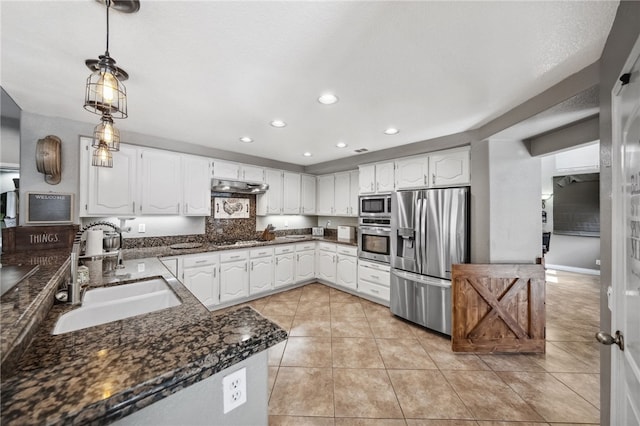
(391, 131)
(246, 139)
(328, 99)
(307, 154)
(278, 123)
(341, 145)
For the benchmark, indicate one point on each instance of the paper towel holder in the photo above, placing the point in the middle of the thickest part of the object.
(48, 159)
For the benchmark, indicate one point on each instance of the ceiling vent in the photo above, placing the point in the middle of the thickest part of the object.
(360, 150)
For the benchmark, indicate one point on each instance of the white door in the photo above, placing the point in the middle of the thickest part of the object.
(283, 270)
(274, 193)
(347, 271)
(202, 282)
(196, 189)
(367, 179)
(161, 182)
(353, 192)
(308, 194)
(290, 193)
(305, 262)
(450, 168)
(326, 266)
(112, 191)
(324, 192)
(385, 177)
(234, 280)
(260, 274)
(341, 197)
(412, 172)
(625, 365)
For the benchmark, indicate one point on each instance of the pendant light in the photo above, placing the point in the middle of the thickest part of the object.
(105, 92)
(106, 132)
(106, 95)
(102, 156)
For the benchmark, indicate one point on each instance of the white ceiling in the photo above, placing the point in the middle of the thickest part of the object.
(208, 72)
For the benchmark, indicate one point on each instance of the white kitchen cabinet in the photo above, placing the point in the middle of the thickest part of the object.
(374, 280)
(346, 193)
(108, 191)
(252, 174)
(196, 186)
(450, 168)
(326, 262)
(376, 178)
(412, 172)
(199, 274)
(290, 193)
(271, 201)
(325, 195)
(234, 275)
(160, 178)
(284, 265)
(307, 194)
(354, 192)
(225, 170)
(347, 267)
(260, 270)
(342, 196)
(305, 262)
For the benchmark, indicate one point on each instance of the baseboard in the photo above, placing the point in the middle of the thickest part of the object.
(572, 269)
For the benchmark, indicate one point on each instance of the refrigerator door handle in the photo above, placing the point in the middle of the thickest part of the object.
(423, 233)
(418, 235)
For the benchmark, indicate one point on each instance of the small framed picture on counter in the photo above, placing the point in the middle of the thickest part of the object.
(49, 208)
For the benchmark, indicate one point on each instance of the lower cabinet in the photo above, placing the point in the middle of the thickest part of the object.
(326, 262)
(260, 270)
(284, 269)
(347, 267)
(374, 280)
(234, 276)
(305, 262)
(199, 275)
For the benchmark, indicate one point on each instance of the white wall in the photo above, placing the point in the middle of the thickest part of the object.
(570, 252)
(156, 226)
(514, 199)
(10, 146)
(285, 222)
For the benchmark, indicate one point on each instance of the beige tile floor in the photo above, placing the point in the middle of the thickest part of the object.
(351, 362)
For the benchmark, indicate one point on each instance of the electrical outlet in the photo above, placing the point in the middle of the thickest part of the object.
(597, 261)
(142, 228)
(234, 390)
(140, 267)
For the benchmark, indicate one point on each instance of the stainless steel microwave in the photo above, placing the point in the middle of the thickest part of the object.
(375, 206)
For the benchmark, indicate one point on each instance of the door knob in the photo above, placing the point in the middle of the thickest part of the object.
(607, 339)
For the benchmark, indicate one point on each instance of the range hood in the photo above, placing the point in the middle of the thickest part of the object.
(223, 185)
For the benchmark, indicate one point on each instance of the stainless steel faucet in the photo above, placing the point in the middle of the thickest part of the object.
(76, 290)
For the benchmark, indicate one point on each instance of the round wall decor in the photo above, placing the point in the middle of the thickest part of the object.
(48, 159)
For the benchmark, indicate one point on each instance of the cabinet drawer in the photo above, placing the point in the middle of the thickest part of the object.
(261, 252)
(206, 259)
(381, 278)
(327, 247)
(306, 246)
(374, 266)
(347, 250)
(374, 290)
(234, 255)
(284, 249)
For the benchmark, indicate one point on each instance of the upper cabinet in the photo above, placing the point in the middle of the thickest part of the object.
(376, 178)
(412, 172)
(144, 181)
(283, 195)
(196, 186)
(161, 182)
(225, 170)
(346, 186)
(235, 171)
(450, 168)
(307, 194)
(324, 195)
(108, 191)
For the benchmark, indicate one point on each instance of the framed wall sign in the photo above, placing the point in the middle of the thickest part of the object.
(49, 208)
(231, 208)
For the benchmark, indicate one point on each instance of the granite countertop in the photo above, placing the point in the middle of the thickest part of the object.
(166, 251)
(100, 374)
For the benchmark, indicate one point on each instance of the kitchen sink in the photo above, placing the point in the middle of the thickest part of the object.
(104, 305)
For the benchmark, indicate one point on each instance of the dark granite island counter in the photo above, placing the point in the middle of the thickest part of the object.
(104, 373)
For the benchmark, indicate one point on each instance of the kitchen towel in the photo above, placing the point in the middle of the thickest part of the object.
(94, 242)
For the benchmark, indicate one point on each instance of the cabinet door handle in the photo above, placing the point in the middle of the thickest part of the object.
(334, 259)
(234, 257)
(214, 272)
(377, 186)
(425, 179)
(372, 186)
(200, 261)
(245, 266)
(433, 179)
(373, 290)
(375, 277)
(134, 207)
(178, 208)
(252, 266)
(276, 260)
(186, 208)
(298, 258)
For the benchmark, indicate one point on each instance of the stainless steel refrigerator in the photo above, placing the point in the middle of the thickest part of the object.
(429, 233)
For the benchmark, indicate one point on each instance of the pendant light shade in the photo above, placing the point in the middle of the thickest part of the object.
(106, 132)
(105, 93)
(102, 156)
